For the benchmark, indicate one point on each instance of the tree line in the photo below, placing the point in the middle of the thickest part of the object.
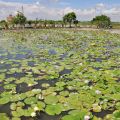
(69, 20)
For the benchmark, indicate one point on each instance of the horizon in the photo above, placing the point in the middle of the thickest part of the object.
(55, 9)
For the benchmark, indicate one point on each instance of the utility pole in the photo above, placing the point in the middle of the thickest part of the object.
(22, 10)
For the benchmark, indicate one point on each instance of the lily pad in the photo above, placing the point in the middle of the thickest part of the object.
(50, 99)
(116, 114)
(4, 100)
(55, 109)
(3, 116)
(31, 100)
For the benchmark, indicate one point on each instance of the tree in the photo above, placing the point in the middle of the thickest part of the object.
(29, 22)
(19, 19)
(76, 22)
(4, 24)
(102, 21)
(51, 23)
(70, 18)
(45, 23)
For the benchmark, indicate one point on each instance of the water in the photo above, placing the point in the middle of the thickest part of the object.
(35, 57)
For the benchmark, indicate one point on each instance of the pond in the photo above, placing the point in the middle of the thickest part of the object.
(59, 74)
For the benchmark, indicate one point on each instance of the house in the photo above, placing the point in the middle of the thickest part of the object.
(10, 18)
(10, 21)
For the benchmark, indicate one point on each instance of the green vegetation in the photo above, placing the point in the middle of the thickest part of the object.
(3, 24)
(70, 18)
(102, 21)
(19, 19)
(60, 74)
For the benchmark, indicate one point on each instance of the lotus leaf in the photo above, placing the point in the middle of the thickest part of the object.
(118, 105)
(4, 100)
(16, 118)
(10, 86)
(51, 99)
(96, 108)
(13, 106)
(54, 109)
(3, 116)
(116, 114)
(60, 84)
(45, 85)
(30, 100)
(64, 93)
(38, 106)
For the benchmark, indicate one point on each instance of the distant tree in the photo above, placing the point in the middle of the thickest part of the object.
(29, 22)
(76, 22)
(70, 18)
(4, 24)
(52, 23)
(45, 23)
(36, 23)
(102, 21)
(19, 19)
(62, 23)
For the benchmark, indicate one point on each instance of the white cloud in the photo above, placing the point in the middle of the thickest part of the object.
(100, 5)
(112, 11)
(40, 11)
(37, 3)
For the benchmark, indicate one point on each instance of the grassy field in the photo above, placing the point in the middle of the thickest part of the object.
(59, 74)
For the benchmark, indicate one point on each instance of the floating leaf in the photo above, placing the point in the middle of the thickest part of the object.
(50, 99)
(96, 108)
(16, 118)
(30, 100)
(54, 109)
(3, 116)
(116, 114)
(4, 100)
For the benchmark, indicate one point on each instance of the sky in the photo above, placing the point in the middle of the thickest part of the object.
(55, 9)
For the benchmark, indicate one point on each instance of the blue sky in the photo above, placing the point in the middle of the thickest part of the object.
(72, 3)
(54, 9)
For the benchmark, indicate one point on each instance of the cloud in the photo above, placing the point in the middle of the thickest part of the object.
(100, 5)
(55, 0)
(112, 11)
(40, 11)
(64, 3)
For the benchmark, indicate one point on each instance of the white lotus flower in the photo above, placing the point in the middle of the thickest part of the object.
(87, 117)
(2, 62)
(95, 105)
(36, 108)
(40, 97)
(65, 104)
(61, 76)
(101, 102)
(29, 85)
(91, 87)
(98, 92)
(33, 114)
(86, 81)
(80, 64)
(54, 93)
(105, 100)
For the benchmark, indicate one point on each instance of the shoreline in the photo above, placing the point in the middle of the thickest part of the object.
(116, 31)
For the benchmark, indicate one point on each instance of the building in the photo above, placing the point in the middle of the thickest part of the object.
(10, 18)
